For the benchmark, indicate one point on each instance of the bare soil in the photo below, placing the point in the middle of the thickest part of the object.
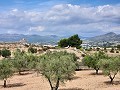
(83, 80)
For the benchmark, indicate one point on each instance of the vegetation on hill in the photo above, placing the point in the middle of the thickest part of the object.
(5, 53)
(32, 50)
(73, 41)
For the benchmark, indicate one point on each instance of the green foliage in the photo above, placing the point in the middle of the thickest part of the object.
(118, 47)
(19, 61)
(31, 60)
(63, 43)
(5, 53)
(110, 66)
(6, 70)
(32, 50)
(73, 41)
(57, 67)
(24, 61)
(92, 60)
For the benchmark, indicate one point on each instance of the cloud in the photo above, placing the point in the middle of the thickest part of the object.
(38, 28)
(63, 19)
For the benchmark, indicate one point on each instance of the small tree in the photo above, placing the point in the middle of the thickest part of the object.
(112, 50)
(32, 50)
(63, 43)
(57, 67)
(110, 67)
(5, 53)
(74, 41)
(92, 60)
(24, 61)
(118, 47)
(6, 70)
(19, 61)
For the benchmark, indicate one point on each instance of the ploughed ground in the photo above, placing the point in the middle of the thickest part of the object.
(83, 80)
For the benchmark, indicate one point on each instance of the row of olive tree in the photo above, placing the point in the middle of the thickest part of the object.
(55, 66)
(99, 60)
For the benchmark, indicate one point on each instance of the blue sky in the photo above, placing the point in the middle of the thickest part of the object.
(60, 17)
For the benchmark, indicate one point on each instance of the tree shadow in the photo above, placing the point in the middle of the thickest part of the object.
(75, 77)
(100, 73)
(113, 83)
(14, 85)
(25, 73)
(72, 89)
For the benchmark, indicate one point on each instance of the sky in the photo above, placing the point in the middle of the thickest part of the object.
(60, 17)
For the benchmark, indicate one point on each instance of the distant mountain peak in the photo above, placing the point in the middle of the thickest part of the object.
(111, 33)
(108, 37)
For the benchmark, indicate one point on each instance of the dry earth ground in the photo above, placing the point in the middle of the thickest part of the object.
(83, 80)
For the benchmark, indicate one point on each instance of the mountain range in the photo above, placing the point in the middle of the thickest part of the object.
(109, 37)
(48, 39)
(53, 39)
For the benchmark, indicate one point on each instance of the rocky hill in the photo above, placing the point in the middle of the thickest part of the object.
(109, 37)
(48, 39)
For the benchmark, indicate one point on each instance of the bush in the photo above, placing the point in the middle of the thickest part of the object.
(112, 50)
(117, 51)
(5, 53)
(73, 41)
(98, 49)
(32, 50)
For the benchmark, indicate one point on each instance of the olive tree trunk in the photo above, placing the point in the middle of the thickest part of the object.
(5, 83)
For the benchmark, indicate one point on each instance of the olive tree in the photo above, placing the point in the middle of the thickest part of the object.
(24, 61)
(57, 67)
(19, 61)
(92, 60)
(6, 70)
(110, 67)
(31, 60)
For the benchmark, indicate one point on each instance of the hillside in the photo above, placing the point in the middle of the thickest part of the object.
(49, 39)
(109, 37)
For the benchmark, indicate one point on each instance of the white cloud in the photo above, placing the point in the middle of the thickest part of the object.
(63, 18)
(38, 28)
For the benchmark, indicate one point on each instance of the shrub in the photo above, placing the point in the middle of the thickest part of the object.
(5, 53)
(117, 51)
(112, 50)
(32, 50)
